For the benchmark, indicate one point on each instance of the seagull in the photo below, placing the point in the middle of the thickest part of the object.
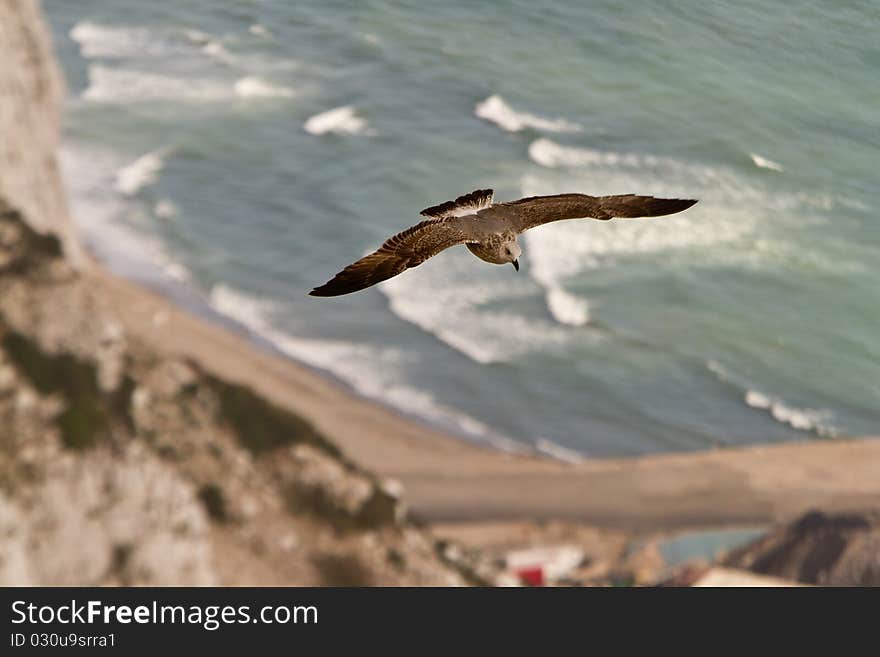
(487, 229)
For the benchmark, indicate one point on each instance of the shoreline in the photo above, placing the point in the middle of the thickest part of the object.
(152, 278)
(450, 478)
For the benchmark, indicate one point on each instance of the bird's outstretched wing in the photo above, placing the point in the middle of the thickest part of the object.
(537, 210)
(399, 253)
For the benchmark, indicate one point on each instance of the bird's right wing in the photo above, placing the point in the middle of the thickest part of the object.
(399, 253)
(537, 210)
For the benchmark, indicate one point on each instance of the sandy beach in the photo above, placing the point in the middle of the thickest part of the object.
(448, 479)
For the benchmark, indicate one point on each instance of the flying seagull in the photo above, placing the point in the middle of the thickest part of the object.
(487, 229)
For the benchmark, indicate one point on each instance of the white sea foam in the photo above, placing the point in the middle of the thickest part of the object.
(104, 216)
(496, 110)
(340, 120)
(719, 231)
(215, 47)
(241, 57)
(144, 171)
(720, 371)
(561, 251)
(165, 209)
(123, 85)
(197, 37)
(251, 311)
(764, 163)
(616, 173)
(558, 452)
(176, 271)
(610, 172)
(138, 43)
(373, 372)
(469, 312)
(818, 421)
(567, 308)
(378, 373)
(118, 85)
(256, 87)
(568, 248)
(803, 419)
(217, 50)
(116, 42)
(548, 153)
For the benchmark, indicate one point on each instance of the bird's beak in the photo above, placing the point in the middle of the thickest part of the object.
(515, 264)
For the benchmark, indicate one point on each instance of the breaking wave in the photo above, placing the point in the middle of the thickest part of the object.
(259, 30)
(565, 250)
(567, 308)
(114, 42)
(558, 452)
(803, 419)
(764, 163)
(468, 313)
(165, 209)
(144, 171)
(104, 217)
(198, 37)
(496, 110)
(118, 85)
(216, 49)
(548, 153)
(811, 420)
(340, 120)
(256, 87)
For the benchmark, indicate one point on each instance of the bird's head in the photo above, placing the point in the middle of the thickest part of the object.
(510, 252)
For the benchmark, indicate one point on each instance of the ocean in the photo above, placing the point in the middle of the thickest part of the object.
(237, 154)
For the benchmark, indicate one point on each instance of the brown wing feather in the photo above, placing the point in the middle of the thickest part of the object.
(537, 210)
(463, 205)
(407, 249)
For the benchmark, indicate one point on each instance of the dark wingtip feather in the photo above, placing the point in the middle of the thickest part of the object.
(674, 204)
(333, 289)
(657, 207)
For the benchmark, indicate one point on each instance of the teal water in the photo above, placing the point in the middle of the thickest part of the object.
(705, 545)
(753, 317)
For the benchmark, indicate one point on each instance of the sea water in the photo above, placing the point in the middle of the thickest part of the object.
(243, 152)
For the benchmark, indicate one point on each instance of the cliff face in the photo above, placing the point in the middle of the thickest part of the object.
(31, 95)
(122, 465)
(840, 549)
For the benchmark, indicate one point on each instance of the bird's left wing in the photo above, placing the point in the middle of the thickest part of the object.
(407, 249)
(537, 210)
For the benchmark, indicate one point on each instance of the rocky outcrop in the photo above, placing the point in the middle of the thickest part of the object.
(840, 549)
(119, 465)
(31, 96)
